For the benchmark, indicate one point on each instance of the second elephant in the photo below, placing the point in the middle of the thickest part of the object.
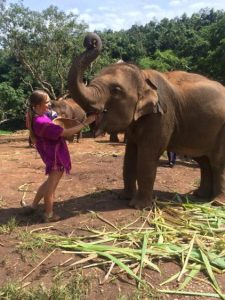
(68, 108)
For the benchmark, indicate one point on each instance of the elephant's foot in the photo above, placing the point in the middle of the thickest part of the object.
(126, 195)
(141, 204)
(114, 138)
(219, 200)
(202, 193)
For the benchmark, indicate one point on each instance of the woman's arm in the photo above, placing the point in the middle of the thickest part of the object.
(67, 132)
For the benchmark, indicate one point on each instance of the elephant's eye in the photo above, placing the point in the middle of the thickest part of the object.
(115, 89)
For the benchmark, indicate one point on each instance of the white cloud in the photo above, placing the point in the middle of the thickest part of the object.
(174, 3)
(111, 16)
(97, 26)
(74, 11)
(103, 8)
(133, 13)
(87, 18)
(107, 20)
(197, 6)
(151, 7)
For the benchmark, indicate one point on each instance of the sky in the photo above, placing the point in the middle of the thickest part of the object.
(122, 14)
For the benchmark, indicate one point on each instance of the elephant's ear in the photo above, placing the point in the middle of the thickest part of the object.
(148, 101)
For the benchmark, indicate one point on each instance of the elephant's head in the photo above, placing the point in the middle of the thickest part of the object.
(121, 91)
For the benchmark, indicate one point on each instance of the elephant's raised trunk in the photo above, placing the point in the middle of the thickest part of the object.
(88, 97)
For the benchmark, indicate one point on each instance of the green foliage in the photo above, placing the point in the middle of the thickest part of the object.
(4, 132)
(2, 8)
(163, 61)
(123, 45)
(36, 49)
(213, 62)
(12, 102)
(32, 36)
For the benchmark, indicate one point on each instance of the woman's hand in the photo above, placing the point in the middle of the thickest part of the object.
(90, 119)
(67, 132)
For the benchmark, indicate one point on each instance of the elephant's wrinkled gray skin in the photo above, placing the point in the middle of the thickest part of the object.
(68, 108)
(178, 111)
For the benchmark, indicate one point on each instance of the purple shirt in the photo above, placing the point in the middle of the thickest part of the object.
(51, 145)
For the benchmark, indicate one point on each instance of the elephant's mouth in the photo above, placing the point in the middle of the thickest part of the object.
(107, 124)
(101, 131)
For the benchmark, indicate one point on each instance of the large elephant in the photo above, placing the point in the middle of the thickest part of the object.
(68, 108)
(175, 111)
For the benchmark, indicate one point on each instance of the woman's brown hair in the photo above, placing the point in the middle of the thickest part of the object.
(36, 98)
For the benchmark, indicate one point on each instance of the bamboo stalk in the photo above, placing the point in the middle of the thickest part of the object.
(28, 274)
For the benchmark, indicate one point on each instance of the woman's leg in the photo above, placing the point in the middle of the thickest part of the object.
(40, 194)
(56, 184)
(46, 191)
(51, 185)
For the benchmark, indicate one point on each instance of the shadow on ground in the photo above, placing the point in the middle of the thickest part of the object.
(102, 201)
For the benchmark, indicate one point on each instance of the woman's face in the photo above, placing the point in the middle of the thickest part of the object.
(43, 107)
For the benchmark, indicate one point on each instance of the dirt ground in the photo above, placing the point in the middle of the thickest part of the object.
(93, 186)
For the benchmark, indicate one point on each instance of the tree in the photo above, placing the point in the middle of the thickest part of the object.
(12, 102)
(213, 63)
(43, 43)
(2, 5)
(163, 61)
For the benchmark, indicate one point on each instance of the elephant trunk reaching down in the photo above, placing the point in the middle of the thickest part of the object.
(88, 97)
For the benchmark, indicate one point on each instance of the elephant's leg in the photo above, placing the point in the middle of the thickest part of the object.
(217, 160)
(205, 189)
(125, 137)
(146, 174)
(218, 180)
(79, 136)
(114, 138)
(130, 170)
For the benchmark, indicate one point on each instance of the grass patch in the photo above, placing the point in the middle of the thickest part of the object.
(75, 289)
(140, 294)
(8, 227)
(5, 132)
(29, 241)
